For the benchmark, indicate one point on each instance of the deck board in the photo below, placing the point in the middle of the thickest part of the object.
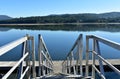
(57, 67)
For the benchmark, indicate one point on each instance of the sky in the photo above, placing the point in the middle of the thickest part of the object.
(26, 8)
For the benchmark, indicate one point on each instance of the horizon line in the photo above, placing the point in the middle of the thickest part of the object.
(63, 14)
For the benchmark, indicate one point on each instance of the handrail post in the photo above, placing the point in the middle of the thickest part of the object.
(67, 65)
(45, 67)
(24, 50)
(70, 62)
(28, 58)
(33, 58)
(39, 54)
(77, 67)
(62, 67)
(21, 65)
(80, 50)
(87, 56)
(44, 58)
(69, 68)
(42, 67)
(93, 59)
(78, 56)
(73, 63)
(100, 62)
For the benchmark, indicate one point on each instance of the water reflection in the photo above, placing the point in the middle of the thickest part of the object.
(102, 27)
(59, 39)
(4, 29)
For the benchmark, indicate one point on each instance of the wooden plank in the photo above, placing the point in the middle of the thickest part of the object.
(57, 65)
(12, 63)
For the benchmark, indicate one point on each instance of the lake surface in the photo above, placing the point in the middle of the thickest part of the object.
(59, 39)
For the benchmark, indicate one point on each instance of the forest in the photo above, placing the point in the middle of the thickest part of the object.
(65, 18)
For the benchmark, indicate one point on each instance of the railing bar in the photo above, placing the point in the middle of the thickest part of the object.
(67, 65)
(106, 41)
(80, 54)
(77, 67)
(42, 57)
(70, 63)
(63, 68)
(45, 67)
(39, 54)
(45, 47)
(77, 60)
(14, 67)
(46, 58)
(93, 58)
(87, 56)
(109, 64)
(21, 65)
(99, 73)
(4, 49)
(80, 36)
(33, 57)
(79, 57)
(24, 72)
(100, 62)
(73, 63)
(28, 58)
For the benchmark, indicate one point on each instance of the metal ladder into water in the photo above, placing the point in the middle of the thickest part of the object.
(72, 67)
(45, 67)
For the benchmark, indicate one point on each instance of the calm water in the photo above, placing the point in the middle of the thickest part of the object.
(59, 40)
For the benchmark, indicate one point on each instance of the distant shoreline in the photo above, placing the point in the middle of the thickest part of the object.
(61, 24)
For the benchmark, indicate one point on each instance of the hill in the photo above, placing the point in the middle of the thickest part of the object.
(110, 15)
(69, 18)
(4, 17)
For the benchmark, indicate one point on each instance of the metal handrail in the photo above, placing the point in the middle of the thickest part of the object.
(71, 61)
(25, 57)
(4, 49)
(96, 52)
(28, 51)
(45, 60)
(72, 64)
(14, 67)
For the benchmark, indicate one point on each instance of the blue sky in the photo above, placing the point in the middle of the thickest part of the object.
(25, 8)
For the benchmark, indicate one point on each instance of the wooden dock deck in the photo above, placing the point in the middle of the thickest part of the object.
(57, 65)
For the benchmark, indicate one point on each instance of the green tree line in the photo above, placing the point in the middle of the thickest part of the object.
(66, 18)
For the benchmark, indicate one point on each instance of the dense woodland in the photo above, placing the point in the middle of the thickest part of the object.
(67, 18)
